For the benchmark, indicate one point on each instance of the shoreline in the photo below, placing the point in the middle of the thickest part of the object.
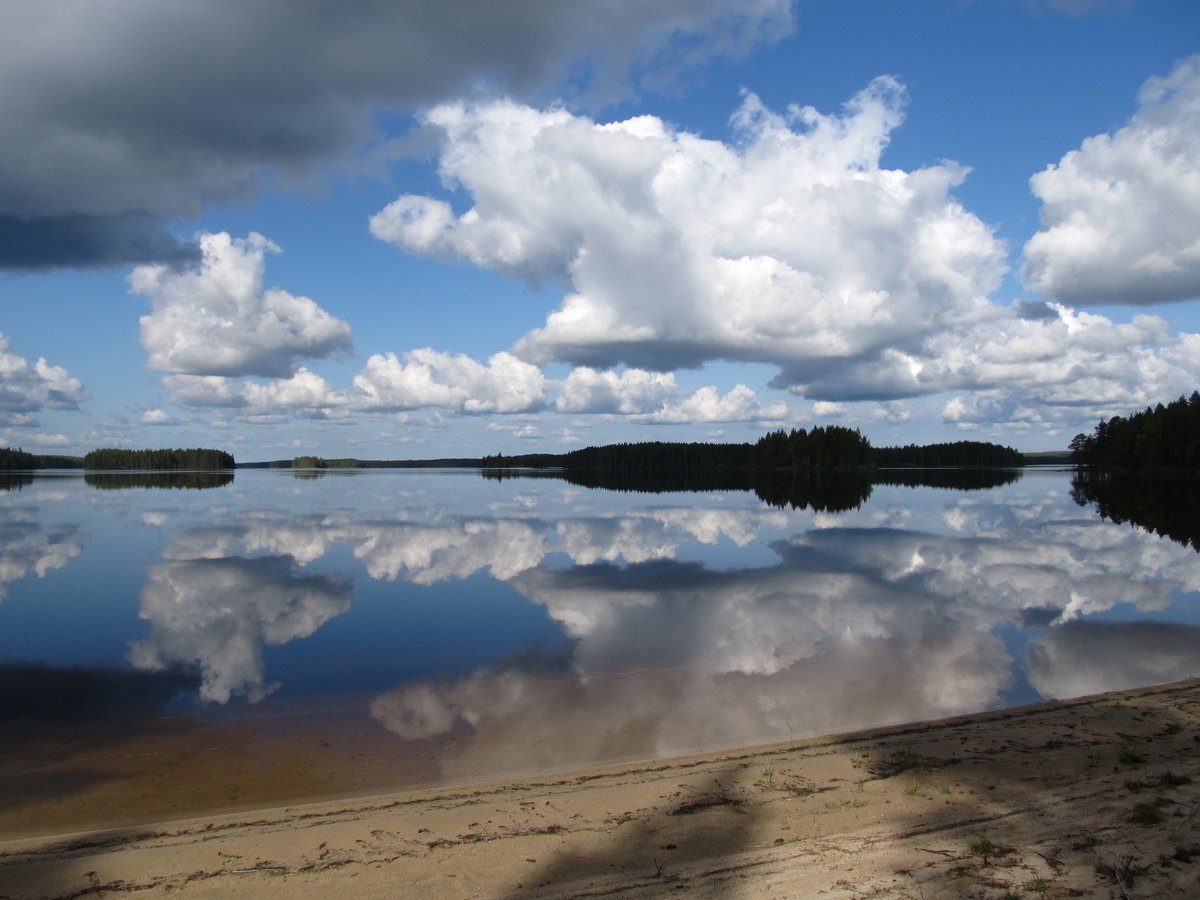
(1096, 794)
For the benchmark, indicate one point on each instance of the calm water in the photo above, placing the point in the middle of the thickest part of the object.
(530, 624)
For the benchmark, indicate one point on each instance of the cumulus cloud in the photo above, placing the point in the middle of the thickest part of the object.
(790, 244)
(218, 614)
(707, 404)
(218, 320)
(825, 409)
(432, 379)
(1121, 215)
(1064, 370)
(793, 245)
(206, 390)
(656, 397)
(156, 416)
(631, 391)
(27, 388)
(428, 377)
(97, 153)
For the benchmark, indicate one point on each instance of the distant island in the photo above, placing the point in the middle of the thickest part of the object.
(800, 450)
(196, 459)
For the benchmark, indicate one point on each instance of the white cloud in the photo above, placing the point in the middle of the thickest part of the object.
(218, 319)
(586, 390)
(790, 245)
(1121, 215)
(825, 409)
(156, 416)
(206, 390)
(656, 397)
(707, 404)
(427, 377)
(51, 440)
(1065, 370)
(28, 388)
(420, 379)
(303, 390)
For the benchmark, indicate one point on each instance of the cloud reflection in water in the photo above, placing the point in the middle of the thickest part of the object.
(853, 627)
(27, 547)
(219, 613)
(854, 624)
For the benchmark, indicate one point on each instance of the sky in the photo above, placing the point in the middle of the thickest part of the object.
(431, 229)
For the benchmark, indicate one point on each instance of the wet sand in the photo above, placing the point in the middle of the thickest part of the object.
(1091, 797)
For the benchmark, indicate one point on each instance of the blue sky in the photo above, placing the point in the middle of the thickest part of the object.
(423, 229)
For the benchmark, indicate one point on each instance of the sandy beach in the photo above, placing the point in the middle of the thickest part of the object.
(1093, 797)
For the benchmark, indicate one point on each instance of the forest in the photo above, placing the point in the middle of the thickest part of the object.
(197, 458)
(958, 453)
(821, 448)
(16, 460)
(1162, 437)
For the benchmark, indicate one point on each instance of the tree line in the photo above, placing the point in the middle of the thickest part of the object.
(15, 460)
(957, 453)
(112, 458)
(11, 460)
(822, 448)
(1162, 437)
(817, 449)
(196, 458)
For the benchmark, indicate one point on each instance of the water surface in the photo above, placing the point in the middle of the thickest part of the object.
(174, 646)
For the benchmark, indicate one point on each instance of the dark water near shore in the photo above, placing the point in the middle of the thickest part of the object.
(525, 624)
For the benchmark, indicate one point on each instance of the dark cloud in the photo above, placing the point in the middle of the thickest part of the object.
(51, 242)
(164, 107)
(1033, 310)
(1039, 616)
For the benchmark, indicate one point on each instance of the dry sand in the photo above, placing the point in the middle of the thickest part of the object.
(1095, 797)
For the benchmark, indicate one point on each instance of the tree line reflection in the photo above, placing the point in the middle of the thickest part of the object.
(822, 490)
(1166, 506)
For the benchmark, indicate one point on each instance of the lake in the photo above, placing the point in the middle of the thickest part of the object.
(170, 646)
